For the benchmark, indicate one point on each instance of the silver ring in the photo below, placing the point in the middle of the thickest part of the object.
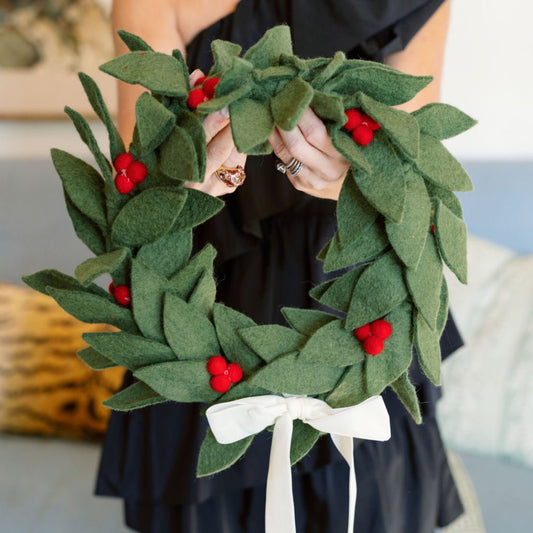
(294, 167)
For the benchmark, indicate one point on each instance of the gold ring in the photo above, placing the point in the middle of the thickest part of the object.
(232, 177)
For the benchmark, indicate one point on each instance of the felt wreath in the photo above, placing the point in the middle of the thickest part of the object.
(398, 221)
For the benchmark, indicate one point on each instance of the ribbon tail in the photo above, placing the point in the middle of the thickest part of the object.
(345, 447)
(279, 508)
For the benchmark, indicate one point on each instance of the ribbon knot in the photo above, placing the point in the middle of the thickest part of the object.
(233, 421)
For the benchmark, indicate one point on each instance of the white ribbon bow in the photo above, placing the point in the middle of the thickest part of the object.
(233, 421)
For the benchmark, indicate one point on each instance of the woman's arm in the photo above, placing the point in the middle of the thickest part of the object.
(156, 21)
(324, 168)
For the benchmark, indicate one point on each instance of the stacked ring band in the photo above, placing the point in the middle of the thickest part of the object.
(294, 167)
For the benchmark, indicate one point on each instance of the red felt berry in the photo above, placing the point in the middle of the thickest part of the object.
(370, 122)
(209, 87)
(216, 365)
(235, 372)
(381, 329)
(354, 119)
(123, 184)
(136, 172)
(362, 134)
(373, 345)
(195, 98)
(111, 288)
(122, 162)
(362, 333)
(433, 228)
(122, 294)
(199, 81)
(220, 383)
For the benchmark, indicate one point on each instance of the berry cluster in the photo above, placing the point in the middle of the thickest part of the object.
(373, 336)
(204, 90)
(130, 172)
(121, 293)
(361, 125)
(224, 373)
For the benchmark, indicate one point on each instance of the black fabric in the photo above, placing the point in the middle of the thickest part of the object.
(267, 238)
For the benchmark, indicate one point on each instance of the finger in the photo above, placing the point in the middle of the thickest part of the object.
(214, 123)
(194, 76)
(315, 132)
(219, 149)
(289, 144)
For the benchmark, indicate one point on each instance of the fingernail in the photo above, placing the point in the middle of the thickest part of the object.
(225, 112)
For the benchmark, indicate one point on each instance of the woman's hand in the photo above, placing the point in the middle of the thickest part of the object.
(220, 151)
(324, 168)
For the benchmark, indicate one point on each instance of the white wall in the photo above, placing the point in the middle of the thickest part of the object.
(488, 75)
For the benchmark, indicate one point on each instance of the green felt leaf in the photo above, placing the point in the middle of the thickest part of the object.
(354, 213)
(147, 216)
(94, 359)
(94, 309)
(289, 104)
(304, 437)
(266, 51)
(116, 145)
(154, 122)
(86, 230)
(350, 389)
(87, 136)
(382, 83)
(184, 281)
(169, 253)
(273, 74)
(43, 280)
(204, 293)
(227, 323)
(401, 127)
(215, 457)
(332, 345)
(242, 390)
(448, 198)
(442, 121)
(136, 396)
(443, 309)
(193, 125)
(160, 73)
(368, 246)
(93, 268)
(330, 69)
(177, 157)
(287, 375)
(235, 84)
(306, 321)
(133, 42)
(83, 185)
(261, 149)
(451, 235)
(346, 146)
(177, 54)
(427, 342)
(337, 293)
(425, 281)
(439, 167)
(328, 107)
(271, 341)
(407, 394)
(129, 351)
(384, 187)
(147, 289)
(180, 381)
(224, 53)
(198, 208)
(251, 123)
(393, 361)
(379, 289)
(409, 236)
(189, 333)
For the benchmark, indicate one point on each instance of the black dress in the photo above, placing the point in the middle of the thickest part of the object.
(267, 238)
